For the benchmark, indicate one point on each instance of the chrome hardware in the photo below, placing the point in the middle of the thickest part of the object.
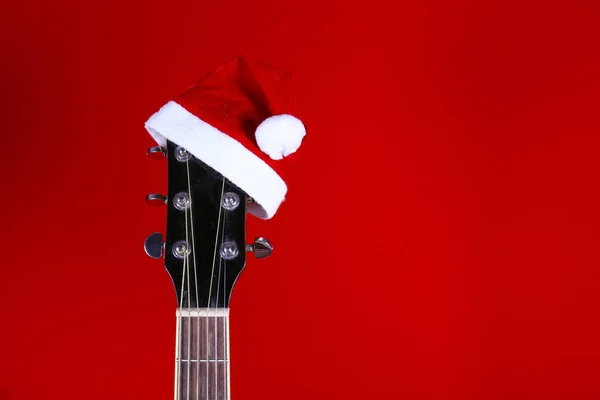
(261, 248)
(157, 153)
(153, 245)
(250, 200)
(181, 201)
(182, 155)
(156, 199)
(230, 201)
(229, 250)
(181, 249)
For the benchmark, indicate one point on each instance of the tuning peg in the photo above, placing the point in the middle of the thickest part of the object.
(154, 245)
(157, 153)
(156, 199)
(261, 248)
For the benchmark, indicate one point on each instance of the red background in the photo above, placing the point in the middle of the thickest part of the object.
(441, 236)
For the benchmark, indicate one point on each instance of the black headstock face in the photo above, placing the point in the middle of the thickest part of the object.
(204, 249)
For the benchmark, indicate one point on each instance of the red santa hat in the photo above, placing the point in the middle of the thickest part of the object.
(240, 119)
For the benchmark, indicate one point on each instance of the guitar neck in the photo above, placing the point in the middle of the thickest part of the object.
(202, 354)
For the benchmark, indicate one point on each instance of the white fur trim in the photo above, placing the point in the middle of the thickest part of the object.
(221, 152)
(280, 135)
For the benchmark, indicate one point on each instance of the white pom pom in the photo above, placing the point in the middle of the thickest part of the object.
(280, 135)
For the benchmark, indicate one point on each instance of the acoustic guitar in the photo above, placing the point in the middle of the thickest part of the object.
(204, 252)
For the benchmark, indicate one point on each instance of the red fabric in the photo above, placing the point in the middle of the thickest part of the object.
(237, 96)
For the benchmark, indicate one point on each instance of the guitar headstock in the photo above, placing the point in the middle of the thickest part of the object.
(204, 249)
(224, 139)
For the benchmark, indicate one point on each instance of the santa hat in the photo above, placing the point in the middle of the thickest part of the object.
(240, 120)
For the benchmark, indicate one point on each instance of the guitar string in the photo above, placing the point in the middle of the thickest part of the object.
(225, 336)
(222, 261)
(178, 356)
(189, 325)
(212, 275)
(195, 281)
(179, 320)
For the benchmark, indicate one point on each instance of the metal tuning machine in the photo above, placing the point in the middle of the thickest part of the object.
(157, 153)
(156, 199)
(154, 245)
(261, 248)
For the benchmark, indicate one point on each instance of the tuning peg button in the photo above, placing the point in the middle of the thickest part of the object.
(156, 199)
(157, 153)
(154, 245)
(261, 248)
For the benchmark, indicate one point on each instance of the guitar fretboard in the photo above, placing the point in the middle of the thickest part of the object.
(202, 354)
